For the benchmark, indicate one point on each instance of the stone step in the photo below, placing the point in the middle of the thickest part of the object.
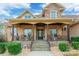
(40, 49)
(40, 45)
(40, 41)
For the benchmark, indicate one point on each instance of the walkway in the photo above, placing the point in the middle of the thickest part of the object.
(40, 53)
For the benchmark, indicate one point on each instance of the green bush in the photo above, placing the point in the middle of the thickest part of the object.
(75, 45)
(14, 48)
(63, 47)
(2, 48)
(75, 39)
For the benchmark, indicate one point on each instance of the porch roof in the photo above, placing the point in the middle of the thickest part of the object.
(45, 21)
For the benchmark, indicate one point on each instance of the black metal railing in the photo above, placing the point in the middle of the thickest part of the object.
(31, 45)
(48, 44)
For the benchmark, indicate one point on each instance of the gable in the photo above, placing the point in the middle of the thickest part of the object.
(56, 7)
(25, 14)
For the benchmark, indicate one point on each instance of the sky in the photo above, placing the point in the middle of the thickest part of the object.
(12, 10)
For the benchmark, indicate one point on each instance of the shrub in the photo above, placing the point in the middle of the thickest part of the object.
(2, 48)
(14, 48)
(2, 38)
(75, 45)
(75, 39)
(63, 47)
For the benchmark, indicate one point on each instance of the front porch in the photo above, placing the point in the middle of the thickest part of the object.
(58, 29)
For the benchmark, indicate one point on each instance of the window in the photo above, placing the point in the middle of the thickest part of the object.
(27, 34)
(53, 32)
(53, 14)
(27, 17)
(14, 30)
(65, 28)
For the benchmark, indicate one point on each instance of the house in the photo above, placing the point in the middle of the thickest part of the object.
(74, 28)
(50, 25)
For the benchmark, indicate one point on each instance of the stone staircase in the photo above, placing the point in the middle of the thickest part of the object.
(40, 45)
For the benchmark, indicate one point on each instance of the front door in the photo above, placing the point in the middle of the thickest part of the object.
(40, 34)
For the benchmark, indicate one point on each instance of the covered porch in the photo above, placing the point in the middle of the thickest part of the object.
(40, 29)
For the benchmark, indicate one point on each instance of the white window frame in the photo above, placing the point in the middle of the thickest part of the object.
(55, 16)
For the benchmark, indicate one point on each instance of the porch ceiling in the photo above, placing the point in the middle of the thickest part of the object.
(45, 21)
